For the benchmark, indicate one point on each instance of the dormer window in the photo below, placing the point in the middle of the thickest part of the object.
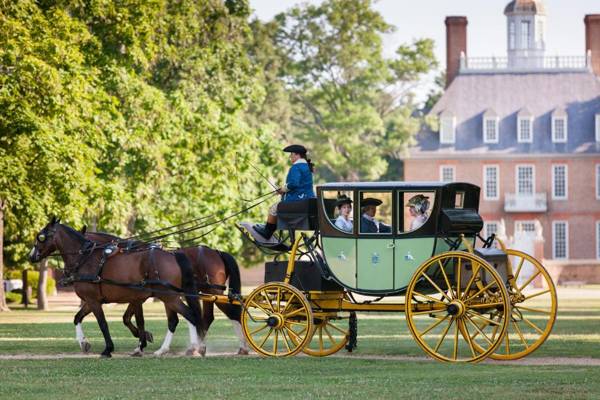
(559, 126)
(490, 127)
(524, 127)
(597, 127)
(447, 127)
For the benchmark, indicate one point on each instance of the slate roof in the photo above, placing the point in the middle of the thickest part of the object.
(469, 96)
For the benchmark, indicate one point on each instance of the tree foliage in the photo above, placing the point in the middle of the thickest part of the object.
(126, 115)
(351, 105)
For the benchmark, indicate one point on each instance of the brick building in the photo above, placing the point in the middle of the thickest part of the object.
(526, 129)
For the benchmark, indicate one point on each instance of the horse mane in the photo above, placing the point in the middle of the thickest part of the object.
(74, 233)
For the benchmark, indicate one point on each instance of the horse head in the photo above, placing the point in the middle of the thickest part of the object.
(45, 243)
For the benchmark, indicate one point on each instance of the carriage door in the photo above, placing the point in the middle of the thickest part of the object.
(375, 248)
(416, 235)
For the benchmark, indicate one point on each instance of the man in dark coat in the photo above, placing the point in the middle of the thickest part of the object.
(368, 223)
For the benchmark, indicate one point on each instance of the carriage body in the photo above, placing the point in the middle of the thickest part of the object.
(384, 263)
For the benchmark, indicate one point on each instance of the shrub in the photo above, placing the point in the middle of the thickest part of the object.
(13, 297)
(33, 278)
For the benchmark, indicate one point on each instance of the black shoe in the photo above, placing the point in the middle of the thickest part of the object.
(266, 230)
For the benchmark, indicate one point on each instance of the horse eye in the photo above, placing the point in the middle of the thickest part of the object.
(41, 237)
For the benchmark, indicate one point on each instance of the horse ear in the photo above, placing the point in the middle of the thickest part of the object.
(53, 220)
(57, 220)
(83, 230)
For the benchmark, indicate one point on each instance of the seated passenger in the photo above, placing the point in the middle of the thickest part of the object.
(418, 207)
(344, 209)
(368, 223)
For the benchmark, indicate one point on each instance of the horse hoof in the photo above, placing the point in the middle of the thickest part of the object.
(243, 352)
(195, 352)
(85, 347)
(105, 355)
(149, 337)
(160, 353)
(137, 353)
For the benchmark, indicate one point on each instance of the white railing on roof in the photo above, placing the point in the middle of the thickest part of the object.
(506, 64)
(534, 202)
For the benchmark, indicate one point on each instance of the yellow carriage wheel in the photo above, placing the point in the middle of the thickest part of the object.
(331, 334)
(447, 300)
(277, 320)
(534, 305)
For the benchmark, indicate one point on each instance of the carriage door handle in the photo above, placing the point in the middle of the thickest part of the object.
(391, 245)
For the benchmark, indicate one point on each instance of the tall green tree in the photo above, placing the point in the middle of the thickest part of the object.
(351, 105)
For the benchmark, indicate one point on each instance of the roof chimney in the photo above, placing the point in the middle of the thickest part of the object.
(592, 39)
(456, 43)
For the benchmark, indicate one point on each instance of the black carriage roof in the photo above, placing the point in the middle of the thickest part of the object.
(390, 185)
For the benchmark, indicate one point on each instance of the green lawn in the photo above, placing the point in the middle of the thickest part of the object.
(576, 334)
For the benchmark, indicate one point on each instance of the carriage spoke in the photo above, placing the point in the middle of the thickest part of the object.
(535, 310)
(537, 294)
(429, 312)
(285, 341)
(293, 335)
(534, 326)
(262, 328)
(295, 312)
(471, 280)
(436, 323)
(520, 334)
(507, 340)
(278, 299)
(337, 328)
(519, 268)
(469, 339)
(486, 305)
(267, 300)
(266, 337)
(415, 293)
(483, 335)
(483, 289)
(255, 304)
(321, 346)
(329, 334)
(435, 286)
(439, 343)
(446, 279)
(531, 278)
(289, 303)
(455, 353)
(489, 321)
(275, 341)
(458, 278)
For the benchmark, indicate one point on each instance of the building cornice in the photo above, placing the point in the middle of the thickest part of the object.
(496, 156)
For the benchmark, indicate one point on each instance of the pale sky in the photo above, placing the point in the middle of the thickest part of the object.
(486, 31)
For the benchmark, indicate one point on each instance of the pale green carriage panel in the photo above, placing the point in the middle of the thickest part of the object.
(340, 254)
(375, 270)
(409, 255)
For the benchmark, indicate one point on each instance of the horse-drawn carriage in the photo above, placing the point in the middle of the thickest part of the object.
(462, 303)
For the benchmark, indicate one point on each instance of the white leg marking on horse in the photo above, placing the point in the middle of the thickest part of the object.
(197, 346)
(79, 333)
(237, 327)
(166, 345)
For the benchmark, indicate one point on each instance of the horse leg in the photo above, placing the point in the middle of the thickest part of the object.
(208, 315)
(234, 313)
(134, 329)
(99, 314)
(197, 346)
(173, 320)
(81, 339)
(139, 320)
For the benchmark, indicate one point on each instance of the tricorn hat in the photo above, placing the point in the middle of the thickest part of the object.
(369, 201)
(342, 199)
(295, 148)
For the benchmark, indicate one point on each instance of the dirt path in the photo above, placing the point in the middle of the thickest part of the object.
(541, 361)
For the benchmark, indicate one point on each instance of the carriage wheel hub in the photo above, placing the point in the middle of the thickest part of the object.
(456, 308)
(275, 321)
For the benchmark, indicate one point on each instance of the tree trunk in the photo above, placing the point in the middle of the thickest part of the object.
(42, 299)
(3, 306)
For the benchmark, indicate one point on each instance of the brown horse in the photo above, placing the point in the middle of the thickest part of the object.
(102, 275)
(210, 267)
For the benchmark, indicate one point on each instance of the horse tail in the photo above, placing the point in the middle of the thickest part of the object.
(233, 272)
(190, 290)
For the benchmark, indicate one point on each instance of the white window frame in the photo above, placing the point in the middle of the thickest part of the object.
(485, 191)
(598, 181)
(597, 124)
(485, 132)
(522, 222)
(519, 133)
(554, 196)
(554, 223)
(517, 179)
(512, 35)
(486, 225)
(449, 167)
(524, 34)
(566, 132)
(447, 137)
(598, 240)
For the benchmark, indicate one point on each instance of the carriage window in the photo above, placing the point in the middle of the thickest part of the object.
(338, 206)
(459, 200)
(416, 209)
(375, 212)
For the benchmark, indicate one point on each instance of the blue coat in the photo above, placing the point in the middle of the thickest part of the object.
(299, 183)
